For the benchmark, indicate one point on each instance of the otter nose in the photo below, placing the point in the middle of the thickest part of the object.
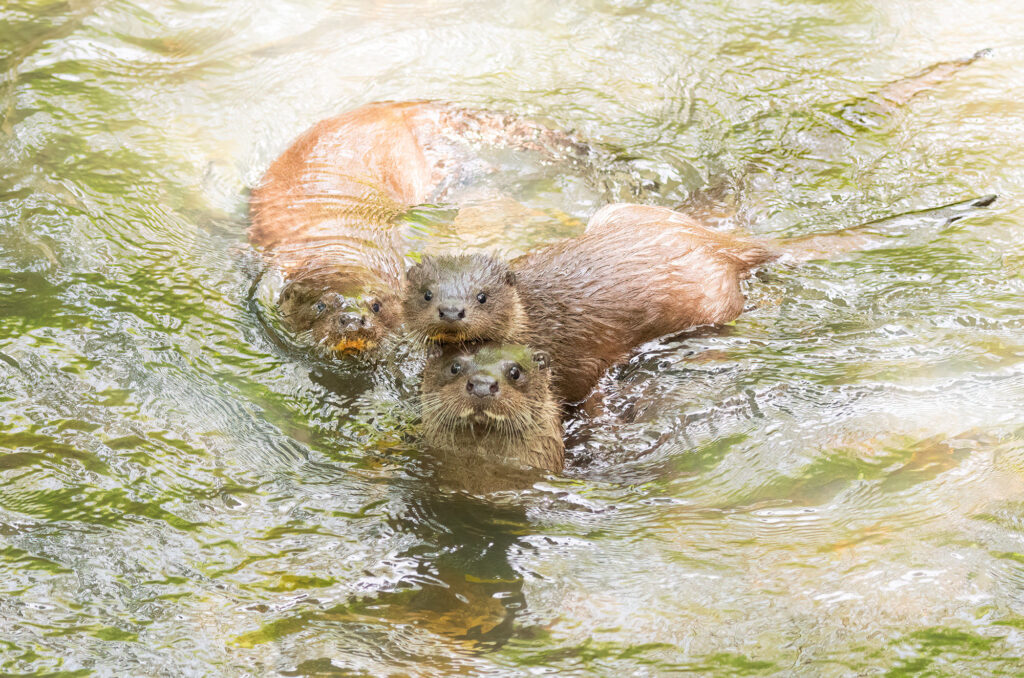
(350, 322)
(451, 313)
(482, 385)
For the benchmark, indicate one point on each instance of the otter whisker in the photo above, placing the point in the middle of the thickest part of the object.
(417, 338)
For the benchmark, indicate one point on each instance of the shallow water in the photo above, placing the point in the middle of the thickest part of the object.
(830, 486)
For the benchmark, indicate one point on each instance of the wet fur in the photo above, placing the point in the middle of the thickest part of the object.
(520, 426)
(638, 273)
(326, 210)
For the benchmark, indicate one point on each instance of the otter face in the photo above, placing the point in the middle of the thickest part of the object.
(339, 315)
(497, 387)
(461, 298)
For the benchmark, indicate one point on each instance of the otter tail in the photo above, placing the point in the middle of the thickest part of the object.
(871, 111)
(518, 133)
(901, 91)
(752, 254)
(874, 233)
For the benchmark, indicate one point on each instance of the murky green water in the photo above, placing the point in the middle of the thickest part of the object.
(832, 486)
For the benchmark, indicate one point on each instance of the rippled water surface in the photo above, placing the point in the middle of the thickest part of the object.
(833, 485)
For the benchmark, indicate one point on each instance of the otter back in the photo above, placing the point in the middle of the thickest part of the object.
(638, 273)
(326, 212)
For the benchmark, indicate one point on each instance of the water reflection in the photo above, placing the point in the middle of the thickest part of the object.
(456, 580)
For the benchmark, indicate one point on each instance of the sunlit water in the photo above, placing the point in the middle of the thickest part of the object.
(833, 485)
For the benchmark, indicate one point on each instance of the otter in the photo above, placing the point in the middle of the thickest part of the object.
(490, 402)
(636, 274)
(327, 212)
(346, 309)
(639, 272)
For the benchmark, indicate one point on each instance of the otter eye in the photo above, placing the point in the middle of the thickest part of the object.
(481, 297)
(376, 307)
(428, 295)
(514, 373)
(456, 368)
(320, 307)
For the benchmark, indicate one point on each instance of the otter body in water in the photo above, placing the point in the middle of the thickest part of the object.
(492, 403)
(638, 273)
(325, 213)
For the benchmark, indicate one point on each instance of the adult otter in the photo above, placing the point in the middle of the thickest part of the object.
(490, 402)
(637, 273)
(326, 212)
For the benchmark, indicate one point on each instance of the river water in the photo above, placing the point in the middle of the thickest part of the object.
(831, 486)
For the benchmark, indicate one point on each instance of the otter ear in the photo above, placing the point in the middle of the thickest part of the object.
(510, 278)
(290, 290)
(542, 359)
(434, 351)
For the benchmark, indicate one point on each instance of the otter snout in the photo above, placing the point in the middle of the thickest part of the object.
(350, 322)
(482, 386)
(451, 313)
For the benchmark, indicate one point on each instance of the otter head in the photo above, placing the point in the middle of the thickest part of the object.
(486, 389)
(461, 298)
(340, 312)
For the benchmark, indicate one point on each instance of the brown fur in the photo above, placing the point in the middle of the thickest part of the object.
(338, 310)
(325, 212)
(638, 273)
(515, 423)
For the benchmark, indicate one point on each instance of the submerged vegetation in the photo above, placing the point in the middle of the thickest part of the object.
(829, 486)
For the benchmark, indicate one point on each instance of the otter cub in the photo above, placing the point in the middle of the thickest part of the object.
(339, 311)
(638, 273)
(491, 401)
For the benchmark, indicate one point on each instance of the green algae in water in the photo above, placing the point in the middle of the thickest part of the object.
(829, 486)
